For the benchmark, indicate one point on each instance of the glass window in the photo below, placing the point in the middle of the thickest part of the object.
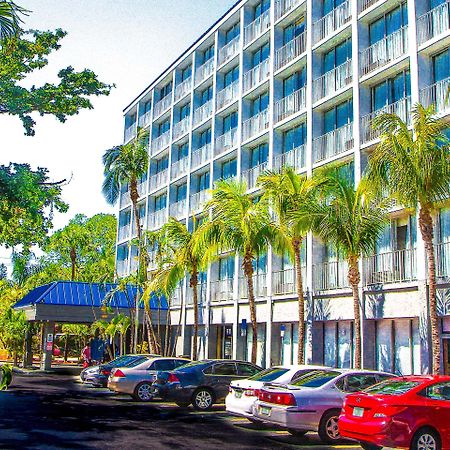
(204, 138)
(338, 116)
(315, 379)
(163, 364)
(178, 363)
(231, 76)
(295, 137)
(181, 151)
(356, 383)
(206, 95)
(165, 90)
(261, 8)
(225, 369)
(392, 387)
(230, 122)
(387, 24)
(441, 66)
(337, 55)
(232, 33)
(185, 110)
(259, 155)
(228, 169)
(162, 164)
(261, 54)
(160, 202)
(260, 264)
(208, 53)
(181, 192)
(247, 369)
(226, 268)
(438, 391)
(444, 225)
(163, 127)
(186, 73)
(270, 374)
(203, 181)
(260, 103)
(294, 82)
(293, 30)
(146, 107)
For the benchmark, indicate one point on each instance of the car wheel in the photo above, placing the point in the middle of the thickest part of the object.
(203, 399)
(143, 392)
(328, 427)
(296, 433)
(366, 446)
(426, 439)
(183, 404)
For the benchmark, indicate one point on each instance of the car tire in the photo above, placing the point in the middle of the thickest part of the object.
(183, 404)
(366, 446)
(426, 439)
(328, 427)
(203, 399)
(296, 433)
(143, 392)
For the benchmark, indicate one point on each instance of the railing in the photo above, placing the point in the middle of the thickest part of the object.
(290, 51)
(390, 267)
(331, 21)
(228, 50)
(285, 281)
(201, 295)
(125, 198)
(226, 141)
(141, 222)
(259, 285)
(179, 167)
(183, 88)
(227, 95)
(251, 175)
(201, 155)
(384, 51)
(204, 71)
(442, 255)
(330, 275)
(122, 267)
(333, 80)
(257, 27)
(130, 132)
(203, 113)
(256, 75)
(159, 179)
(256, 124)
(198, 200)
(222, 290)
(178, 209)
(437, 94)
(401, 108)
(142, 188)
(364, 4)
(282, 7)
(433, 23)
(181, 127)
(295, 158)
(124, 232)
(161, 142)
(333, 143)
(163, 105)
(157, 219)
(144, 120)
(290, 105)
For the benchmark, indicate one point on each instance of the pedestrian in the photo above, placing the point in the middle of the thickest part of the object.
(86, 356)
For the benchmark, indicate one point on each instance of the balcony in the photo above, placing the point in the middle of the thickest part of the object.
(251, 175)
(198, 201)
(284, 282)
(222, 290)
(331, 22)
(332, 81)
(255, 125)
(438, 95)
(160, 142)
(330, 275)
(157, 219)
(226, 141)
(203, 113)
(401, 108)
(181, 128)
(257, 27)
(178, 209)
(333, 143)
(227, 95)
(364, 4)
(145, 119)
(256, 75)
(228, 51)
(159, 179)
(433, 23)
(383, 52)
(442, 255)
(179, 167)
(295, 158)
(162, 106)
(183, 88)
(141, 222)
(290, 51)
(122, 268)
(130, 132)
(125, 199)
(290, 105)
(204, 71)
(201, 295)
(124, 232)
(259, 285)
(282, 7)
(201, 155)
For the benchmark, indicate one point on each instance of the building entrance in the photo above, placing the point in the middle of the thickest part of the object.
(225, 342)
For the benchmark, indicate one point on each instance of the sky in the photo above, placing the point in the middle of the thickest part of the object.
(125, 42)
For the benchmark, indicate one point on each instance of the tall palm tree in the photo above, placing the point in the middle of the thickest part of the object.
(240, 223)
(287, 191)
(10, 19)
(415, 168)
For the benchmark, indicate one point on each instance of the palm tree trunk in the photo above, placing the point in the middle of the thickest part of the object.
(297, 245)
(193, 284)
(354, 278)
(248, 271)
(153, 342)
(426, 230)
(73, 260)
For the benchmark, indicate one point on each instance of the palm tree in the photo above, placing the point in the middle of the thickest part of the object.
(287, 191)
(241, 223)
(415, 168)
(10, 18)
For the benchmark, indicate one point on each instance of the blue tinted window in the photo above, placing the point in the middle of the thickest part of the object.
(261, 8)
(163, 127)
(337, 55)
(226, 268)
(230, 122)
(261, 54)
(260, 103)
(294, 30)
(231, 76)
(208, 53)
(181, 151)
(339, 116)
(259, 154)
(205, 138)
(295, 82)
(232, 33)
(186, 73)
(441, 66)
(203, 181)
(185, 111)
(165, 90)
(160, 202)
(228, 169)
(162, 164)
(387, 24)
(294, 137)
(181, 192)
(206, 95)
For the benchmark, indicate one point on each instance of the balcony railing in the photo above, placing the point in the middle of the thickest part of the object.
(333, 80)
(222, 290)
(333, 143)
(442, 254)
(179, 167)
(183, 88)
(227, 95)
(228, 50)
(181, 127)
(201, 295)
(332, 21)
(290, 51)
(255, 125)
(142, 188)
(256, 75)
(125, 198)
(251, 175)
(257, 27)
(204, 71)
(130, 132)
(401, 108)
(433, 23)
(201, 155)
(295, 158)
(226, 141)
(330, 275)
(124, 232)
(259, 285)
(282, 7)
(163, 105)
(178, 209)
(157, 219)
(284, 282)
(203, 113)
(438, 95)
(198, 200)
(390, 267)
(159, 179)
(122, 267)
(383, 52)
(141, 223)
(145, 119)
(161, 142)
(364, 4)
(290, 105)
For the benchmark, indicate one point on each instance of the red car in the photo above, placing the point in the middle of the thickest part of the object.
(409, 412)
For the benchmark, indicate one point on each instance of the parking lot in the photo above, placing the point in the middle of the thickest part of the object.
(57, 411)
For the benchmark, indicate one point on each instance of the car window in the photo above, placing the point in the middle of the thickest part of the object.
(356, 382)
(301, 373)
(439, 391)
(208, 370)
(179, 362)
(270, 374)
(162, 364)
(225, 369)
(136, 363)
(392, 387)
(247, 370)
(316, 378)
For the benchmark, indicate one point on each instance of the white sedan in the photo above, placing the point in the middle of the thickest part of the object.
(243, 393)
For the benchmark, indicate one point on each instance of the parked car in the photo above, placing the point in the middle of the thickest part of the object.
(137, 379)
(410, 412)
(243, 393)
(312, 402)
(202, 383)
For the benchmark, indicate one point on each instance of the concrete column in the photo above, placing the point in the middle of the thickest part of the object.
(28, 356)
(48, 335)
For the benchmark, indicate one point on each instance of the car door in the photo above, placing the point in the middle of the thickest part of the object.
(246, 370)
(354, 382)
(221, 376)
(163, 365)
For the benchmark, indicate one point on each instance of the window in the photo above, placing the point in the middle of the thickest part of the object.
(338, 116)
(146, 107)
(261, 8)
(260, 55)
(260, 264)
(436, 3)
(295, 137)
(186, 73)
(438, 391)
(165, 90)
(163, 364)
(294, 82)
(206, 95)
(208, 53)
(228, 169)
(444, 225)
(163, 127)
(231, 76)
(160, 202)
(180, 192)
(225, 369)
(392, 387)
(247, 369)
(185, 110)
(226, 268)
(232, 33)
(388, 24)
(181, 151)
(315, 379)
(204, 138)
(260, 103)
(203, 181)
(337, 55)
(162, 164)
(356, 383)
(293, 30)
(259, 155)
(329, 5)
(270, 374)
(441, 66)
(391, 90)
(230, 122)
(179, 363)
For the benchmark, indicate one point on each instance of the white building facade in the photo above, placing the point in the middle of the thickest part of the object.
(297, 82)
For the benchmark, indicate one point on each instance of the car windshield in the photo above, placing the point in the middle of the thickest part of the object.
(392, 387)
(270, 374)
(315, 379)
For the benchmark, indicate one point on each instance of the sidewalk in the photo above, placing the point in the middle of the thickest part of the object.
(55, 370)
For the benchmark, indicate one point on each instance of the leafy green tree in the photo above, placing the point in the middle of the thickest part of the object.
(10, 18)
(415, 168)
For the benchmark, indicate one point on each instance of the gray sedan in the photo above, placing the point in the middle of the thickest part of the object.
(313, 402)
(137, 381)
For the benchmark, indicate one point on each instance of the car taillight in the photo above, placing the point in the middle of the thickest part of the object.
(251, 392)
(278, 398)
(105, 372)
(389, 411)
(173, 378)
(119, 374)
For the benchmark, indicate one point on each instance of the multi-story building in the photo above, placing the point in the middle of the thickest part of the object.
(297, 82)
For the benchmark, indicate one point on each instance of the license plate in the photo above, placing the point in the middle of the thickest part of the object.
(238, 394)
(264, 410)
(358, 412)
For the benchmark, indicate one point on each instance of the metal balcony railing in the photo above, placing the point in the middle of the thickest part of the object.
(284, 282)
(181, 127)
(201, 155)
(256, 75)
(228, 51)
(226, 141)
(222, 290)
(251, 175)
(332, 21)
(282, 7)
(364, 4)
(183, 88)
(257, 27)
(204, 71)
(330, 275)
(442, 255)
(160, 142)
(259, 285)
(179, 167)
(141, 222)
(198, 200)
(433, 23)
(227, 95)
(157, 219)
(383, 52)
(124, 232)
(145, 119)
(290, 105)
(333, 80)
(203, 112)
(255, 125)
(130, 132)
(295, 158)
(125, 198)
(162, 106)
(178, 209)
(159, 179)
(438, 95)
(201, 295)
(333, 143)
(290, 51)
